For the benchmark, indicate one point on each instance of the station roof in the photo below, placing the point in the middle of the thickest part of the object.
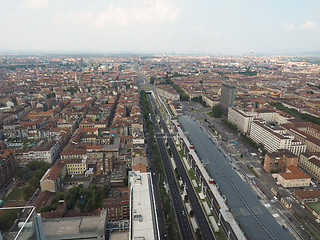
(254, 218)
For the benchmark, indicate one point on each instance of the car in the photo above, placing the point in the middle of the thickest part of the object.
(302, 227)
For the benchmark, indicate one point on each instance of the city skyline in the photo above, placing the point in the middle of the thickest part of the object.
(161, 26)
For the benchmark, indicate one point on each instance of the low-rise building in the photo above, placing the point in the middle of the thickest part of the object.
(310, 162)
(307, 196)
(53, 178)
(90, 227)
(140, 163)
(293, 177)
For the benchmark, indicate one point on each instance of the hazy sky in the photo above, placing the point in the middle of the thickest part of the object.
(165, 26)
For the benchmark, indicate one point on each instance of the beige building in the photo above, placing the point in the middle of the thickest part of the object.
(53, 178)
(307, 196)
(312, 143)
(310, 162)
(75, 166)
(167, 91)
(313, 130)
(293, 177)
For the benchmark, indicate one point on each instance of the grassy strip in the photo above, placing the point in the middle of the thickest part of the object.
(305, 226)
(253, 171)
(171, 221)
(16, 194)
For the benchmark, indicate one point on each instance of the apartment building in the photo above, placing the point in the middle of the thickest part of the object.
(270, 139)
(312, 143)
(279, 161)
(117, 208)
(310, 162)
(7, 167)
(75, 166)
(313, 130)
(52, 180)
(274, 138)
(48, 152)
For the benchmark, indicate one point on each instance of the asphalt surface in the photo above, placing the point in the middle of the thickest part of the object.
(183, 222)
(199, 214)
(160, 214)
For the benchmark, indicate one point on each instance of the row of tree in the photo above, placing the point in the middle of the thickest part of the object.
(32, 173)
(165, 198)
(296, 113)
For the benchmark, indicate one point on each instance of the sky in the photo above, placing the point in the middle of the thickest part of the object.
(160, 26)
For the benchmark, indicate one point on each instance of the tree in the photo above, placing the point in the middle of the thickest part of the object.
(152, 80)
(201, 82)
(20, 173)
(27, 192)
(186, 198)
(191, 213)
(217, 111)
(198, 234)
(34, 182)
(36, 165)
(51, 95)
(125, 181)
(7, 219)
(106, 190)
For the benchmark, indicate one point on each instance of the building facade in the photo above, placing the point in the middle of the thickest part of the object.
(293, 177)
(310, 162)
(241, 119)
(274, 139)
(228, 94)
(279, 161)
(7, 167)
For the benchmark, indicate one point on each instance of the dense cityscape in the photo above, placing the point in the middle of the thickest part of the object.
(159, 147)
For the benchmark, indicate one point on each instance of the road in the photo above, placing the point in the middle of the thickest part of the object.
(183, 222)
(152, 169)
(193, 199)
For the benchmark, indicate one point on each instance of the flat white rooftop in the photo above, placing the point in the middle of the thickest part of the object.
(142, 208)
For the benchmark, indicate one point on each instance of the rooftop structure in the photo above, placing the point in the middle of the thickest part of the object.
(293, 177)
(143, 221)
(76, 227)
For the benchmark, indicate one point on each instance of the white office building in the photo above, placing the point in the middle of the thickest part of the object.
(241, 119)
(273, 138)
